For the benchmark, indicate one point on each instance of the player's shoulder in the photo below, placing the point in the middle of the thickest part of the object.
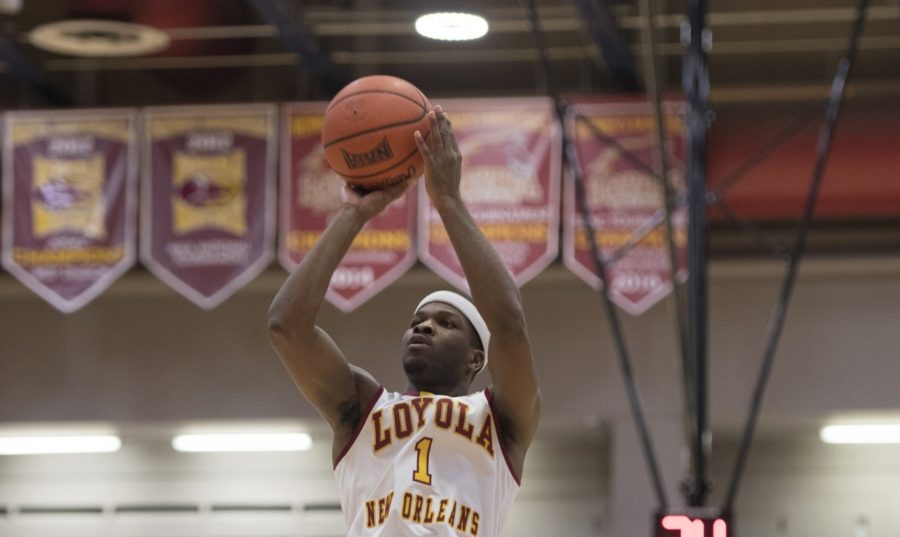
(366, 385)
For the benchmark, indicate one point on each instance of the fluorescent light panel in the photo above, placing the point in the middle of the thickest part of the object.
(861, 434)
(51, 445)
(237, 442)
(452, 26)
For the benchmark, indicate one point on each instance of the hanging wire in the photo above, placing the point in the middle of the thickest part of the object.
(717, 196)
(626, 368)
(668, 200)
(639, 234)
(764, 152)
(624, 152)
(654, 220)
(752, 229)
(823, 148)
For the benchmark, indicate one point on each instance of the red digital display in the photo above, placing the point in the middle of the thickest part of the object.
(698, 523)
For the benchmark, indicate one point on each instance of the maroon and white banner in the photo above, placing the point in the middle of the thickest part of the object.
(69, 201)
(311, 195)
(208, 197)
(624, 203)
(510, 182)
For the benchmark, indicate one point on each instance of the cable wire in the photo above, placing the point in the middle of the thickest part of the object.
(823, 148)
(615, 325)
(668, 200)
(751, 228)
(764, 152)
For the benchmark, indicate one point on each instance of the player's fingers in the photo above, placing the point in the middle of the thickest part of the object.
(423, 146)
(446, 128)
(395, 191)
(437, 139)
(443, 119)
(348, 195)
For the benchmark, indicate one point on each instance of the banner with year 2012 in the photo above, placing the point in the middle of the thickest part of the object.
(311, 195)
(511, 151)
(69, 201)
(625, 202)
(208, 197)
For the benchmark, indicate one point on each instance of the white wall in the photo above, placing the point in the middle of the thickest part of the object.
(563, 488)
(142, 354)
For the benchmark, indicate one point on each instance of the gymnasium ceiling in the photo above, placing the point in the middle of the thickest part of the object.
(234, 51)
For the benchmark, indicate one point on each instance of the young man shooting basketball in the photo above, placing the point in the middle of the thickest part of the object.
(437, 460)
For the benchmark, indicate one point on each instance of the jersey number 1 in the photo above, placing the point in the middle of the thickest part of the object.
(423, 450)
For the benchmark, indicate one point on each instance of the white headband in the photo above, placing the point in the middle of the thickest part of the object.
(468, 310)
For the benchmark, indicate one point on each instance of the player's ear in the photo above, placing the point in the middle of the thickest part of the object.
(476, 361)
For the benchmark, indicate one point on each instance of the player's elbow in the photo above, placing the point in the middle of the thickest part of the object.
(511, 322)
(538, 402)
(276, 320)
(287, 329)
(276, 325)
(279, 324)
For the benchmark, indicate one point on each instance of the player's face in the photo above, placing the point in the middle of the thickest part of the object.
(437, 346)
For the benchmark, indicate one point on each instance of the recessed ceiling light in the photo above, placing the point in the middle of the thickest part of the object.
(861, 434)
(98, 38)
(452, 26)
(51, 445)
(236, 442)
(10, 6)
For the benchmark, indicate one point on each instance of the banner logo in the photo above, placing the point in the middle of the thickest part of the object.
(68, 195)
(208, 192)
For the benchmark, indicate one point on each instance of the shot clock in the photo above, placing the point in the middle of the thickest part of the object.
(693, 522)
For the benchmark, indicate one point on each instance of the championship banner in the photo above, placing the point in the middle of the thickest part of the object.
(69, 202)
(310, 197)
(625, 203)
(208, 197)
(511, 152)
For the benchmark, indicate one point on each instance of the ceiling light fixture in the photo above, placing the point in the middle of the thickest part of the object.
(860, 434)
(452, 26)
(238, 442)
(91, 38)
(55, 445)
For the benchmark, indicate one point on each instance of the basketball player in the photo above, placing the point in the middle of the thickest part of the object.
(436, 460)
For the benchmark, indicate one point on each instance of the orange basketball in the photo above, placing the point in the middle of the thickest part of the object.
(368, 131)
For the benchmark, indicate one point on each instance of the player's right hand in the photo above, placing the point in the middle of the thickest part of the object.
(371, 203)
(443, 161)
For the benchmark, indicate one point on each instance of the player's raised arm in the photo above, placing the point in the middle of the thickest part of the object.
(314, 361)
(515, 386)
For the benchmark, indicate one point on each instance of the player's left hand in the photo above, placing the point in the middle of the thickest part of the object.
(443, 161)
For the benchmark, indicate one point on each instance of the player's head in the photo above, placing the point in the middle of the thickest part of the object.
(446, 342)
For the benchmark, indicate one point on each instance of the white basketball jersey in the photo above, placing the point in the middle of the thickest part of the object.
(426, 464)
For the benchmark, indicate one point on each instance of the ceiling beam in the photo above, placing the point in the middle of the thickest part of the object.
(23, 70)
(600, 21)
(297, 39)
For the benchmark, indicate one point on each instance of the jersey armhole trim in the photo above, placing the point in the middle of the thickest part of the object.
(489, 395)
(359, 426)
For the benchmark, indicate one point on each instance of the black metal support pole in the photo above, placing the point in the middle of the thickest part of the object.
(696, 89)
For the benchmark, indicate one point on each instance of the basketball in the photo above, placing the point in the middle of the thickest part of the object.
(367, 132)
